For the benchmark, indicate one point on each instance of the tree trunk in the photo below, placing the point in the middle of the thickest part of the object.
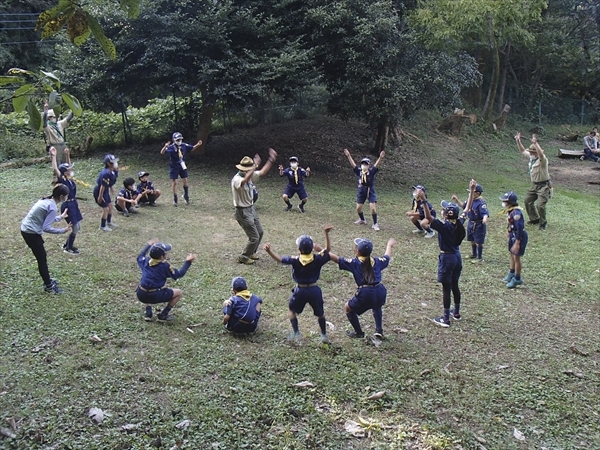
(503, 78)
(489, 102)
(204, 124)
(383, 130)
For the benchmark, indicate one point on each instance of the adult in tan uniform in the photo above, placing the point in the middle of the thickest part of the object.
(54, 131)
(242, 188)
(540, 182)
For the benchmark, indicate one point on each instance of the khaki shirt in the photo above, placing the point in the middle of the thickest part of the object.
(55, 134)
(538, 169)
(243, 195)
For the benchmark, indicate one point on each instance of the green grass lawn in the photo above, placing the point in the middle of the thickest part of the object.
(525, 359)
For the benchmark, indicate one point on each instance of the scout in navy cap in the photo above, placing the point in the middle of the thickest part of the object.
(145, 188)
(306, 270)
(371, 293)
(177, 151)
(295, 175)
(417, 213)
(478, 218)
(155, 272)
(451, 233)
(127, 198)
(104, 185)
(242, 310)
(366, 186)
(517, 238)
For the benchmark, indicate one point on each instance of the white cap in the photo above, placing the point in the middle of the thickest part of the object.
(50, 113)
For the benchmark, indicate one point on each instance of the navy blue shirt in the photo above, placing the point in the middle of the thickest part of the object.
(155, 276)
(144, 185)
(242, 309)
(417, 206)
(478, 210)
(126, 194)
(366, 180)
(309, 273)
(291, 176)
(354, 265)
(516, 223)
(107, 178)
(446, 239)
(176, 155)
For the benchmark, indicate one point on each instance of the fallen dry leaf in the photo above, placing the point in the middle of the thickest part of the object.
(7, 433)
(425, 372)
(354, 428)
(95, 338)
(518, 435)
(183, 424)
(304, 384)
(130, 426)
(577, 351)
(190, 330)
(376, 395)
(502, 367)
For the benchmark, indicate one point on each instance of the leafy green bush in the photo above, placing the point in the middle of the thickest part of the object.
(18, 139)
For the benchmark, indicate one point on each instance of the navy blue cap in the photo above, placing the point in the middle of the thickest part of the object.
(366, 160)
(451, 209)
(478, 188)
(177, 135)
(509, 197)
(64, 167)
(110, 158)
(420, 186)
(294, 158)
(305, 244)
(159, 249)
(239, 284)
(142, 173)
(364, 246)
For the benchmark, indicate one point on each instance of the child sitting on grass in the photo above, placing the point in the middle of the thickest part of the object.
(242, 310)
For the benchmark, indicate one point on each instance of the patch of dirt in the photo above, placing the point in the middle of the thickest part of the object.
(583, 176)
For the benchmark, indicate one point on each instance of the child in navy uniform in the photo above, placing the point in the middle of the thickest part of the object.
(417, 213)
(103, 189)
(155, 271)
(145, 188)
(517, 238)
(295, 175)
(177, 152)
(366, 186)
(306, 270)
(478, 218)
(127, 198)
(65, 175)
(242, 311)
(371, 293)
(451, 233)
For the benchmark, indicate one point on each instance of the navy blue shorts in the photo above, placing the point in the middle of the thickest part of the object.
(363, 193)
(105, 201)
(235, 326)
(176, 172)
(290, 191)
(476, 232)
(303, 295)
(74, 214)
(368, 297)
(522, 244)
(449, 267)
(161, 296)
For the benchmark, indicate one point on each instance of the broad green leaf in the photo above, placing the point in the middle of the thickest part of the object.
(73, 103)
(35, 118)
(79, 40)
(55, 25)
(54, 99)
(131, 7)
(105, 43)
(17, 71)
(4, 80)
(50, 14)
(21, 96)
(53, 77)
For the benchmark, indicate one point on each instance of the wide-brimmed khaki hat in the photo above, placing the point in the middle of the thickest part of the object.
(246, 163)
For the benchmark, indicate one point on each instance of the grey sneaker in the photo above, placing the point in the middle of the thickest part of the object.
(325, 339)
(105, 228)
(429, 234)
(113, 225)
(294, 336)
(375, 227)
(165, 319)
(53, 288)
(360, 222)
(417, 231)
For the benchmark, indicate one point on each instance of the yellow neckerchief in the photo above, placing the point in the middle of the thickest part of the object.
(364, 175)
(295, 173)
(362, 259)
(509, 209)
(306, 259)
(416, 205)
(81, 183)
(179, 151)
(154, 262)
(245, 294)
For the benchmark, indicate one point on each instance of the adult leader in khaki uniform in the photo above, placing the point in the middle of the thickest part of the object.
(54, 130)
(540, 182)
(242, 187)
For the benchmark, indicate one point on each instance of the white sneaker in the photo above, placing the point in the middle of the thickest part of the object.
(375, 227)
(430, 235)
(105, 229)
(360, 222)
(582, 158)
(110, 224)
(419, 231)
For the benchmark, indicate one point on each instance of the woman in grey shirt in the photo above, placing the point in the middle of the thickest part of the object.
(39, 219)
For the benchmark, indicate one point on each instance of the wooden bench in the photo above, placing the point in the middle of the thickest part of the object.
(562, 153)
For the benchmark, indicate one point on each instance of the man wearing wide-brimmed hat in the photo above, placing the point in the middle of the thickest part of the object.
(243, 200)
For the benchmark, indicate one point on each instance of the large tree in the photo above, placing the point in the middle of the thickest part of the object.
(374, 68)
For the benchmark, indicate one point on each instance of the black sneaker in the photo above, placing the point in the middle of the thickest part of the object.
(148, 318)
(152, 204)
(288, 208)
(533, 222)
(53, 288)
(455, 316)
(186, 200)
(165, 319)
(72, 250)
(354, 334)
(441, 321)
(543, 226)
(378, 334)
